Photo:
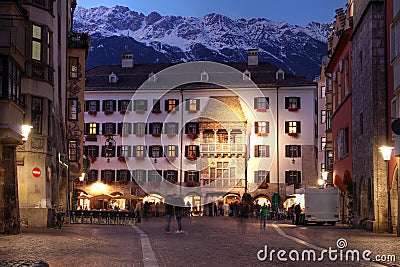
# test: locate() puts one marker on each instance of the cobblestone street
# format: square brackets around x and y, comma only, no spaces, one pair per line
[206,241]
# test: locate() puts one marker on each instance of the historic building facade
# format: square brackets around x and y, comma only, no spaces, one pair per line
[215,130]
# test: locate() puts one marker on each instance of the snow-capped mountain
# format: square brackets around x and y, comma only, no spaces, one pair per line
[214,37]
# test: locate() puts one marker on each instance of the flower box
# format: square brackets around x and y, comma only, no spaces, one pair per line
[191,158]
[293,109]
[156,135]
[293,134]
[262,134]
[122,112]
[108,112]
[191,184]
[92,112]
[122,159]
[92,159]
[261,110]
[192,135]
[263,185]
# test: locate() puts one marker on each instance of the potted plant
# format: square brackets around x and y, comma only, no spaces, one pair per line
[261,110]
[191,157]
[293,134]
[108,112]
[122,159]
[293,109]
[92,112]
[192,135]
[191,183]
[92,159]
[122,112]
[262,134]
[263,185]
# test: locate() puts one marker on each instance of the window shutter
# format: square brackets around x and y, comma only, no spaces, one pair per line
[164,131]
[87,127]
[267,127]
[176,153]
[161,151]
[119,105]
[151,127]
[87,105]
[187,104]
[134,151]
[119,150]
[176,104]
[197,128]
[287,177]
[114,128]
[197,151]
[103,128]
[166,105]
[129,125]
[286,126]
[96,151]
[267,180]
[186,176]
[197,104]
[298,126]
[187,128]
[267,101]
[165,174]
[85,150]
[150,151]
[134,174]
[256,176]
[161,127]
[165,151]
[114,105]
[145,128]
[129,151]
[299,151]
[104,105]
[97,128]
[267,151]
[119,127]
[144,150]
[103,151]
[102,175]
[197,176]
[256,153]
[129,108]
[287,151]
[186,151]
[256,127]
[255,103]
[299,177]
[118,175]
[298,102]
[134,126]
[286,102]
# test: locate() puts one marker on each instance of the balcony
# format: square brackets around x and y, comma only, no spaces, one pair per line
[78,40]
[40,71]
[44,4]
[223,147]
[12,119]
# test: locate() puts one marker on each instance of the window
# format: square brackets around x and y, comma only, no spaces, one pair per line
[261,151]
[155,151]
[171,128]
[323,143]
[292,103]
[343,142]
[140,105]
[204,77]
[124,128]
[171,105]
[323,116]
[139,175]
[123,175]
[109,105]
[192,151]
[292,127]
[139,151]
[222,136]
[139,128]
[261,127]
[156,106]
[73,67]
[171,151]
[48,48]
[155,175]
[192,176]
[329,159]
[123,105]
[72,109]
[261,103]
[108,128]
[152,78]
[92,105]
[37,40]
[192,105]
[155,128]
[108,175]
[37,114]
[293,177]
[72,150]
[323,91]
[92,176]
[328,120]
[192,127]
[91,151]
[292,151]
[108,152]
[49,118]
[124,151]
[10,82]
[261,176]
[246,75]
[395,40]
[91,128]
[171,176]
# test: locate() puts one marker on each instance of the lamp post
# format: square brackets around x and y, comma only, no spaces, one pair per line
[109,146]
[386,154]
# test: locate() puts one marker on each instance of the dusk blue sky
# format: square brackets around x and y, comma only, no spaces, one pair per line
[292,11]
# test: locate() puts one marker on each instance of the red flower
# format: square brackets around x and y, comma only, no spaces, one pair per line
[191,183]
[92,112]
[92,159]
[122,112]
[293,134]
[121,158]
[192,135]
[108,112]
[293,109]
[191,158]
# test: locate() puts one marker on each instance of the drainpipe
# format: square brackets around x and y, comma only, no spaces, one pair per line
[277,141]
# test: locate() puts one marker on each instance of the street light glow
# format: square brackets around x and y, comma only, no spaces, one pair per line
[386,152]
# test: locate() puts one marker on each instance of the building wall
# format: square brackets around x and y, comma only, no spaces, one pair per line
[369,88]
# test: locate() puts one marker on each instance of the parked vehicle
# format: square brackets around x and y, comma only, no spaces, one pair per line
[319,205]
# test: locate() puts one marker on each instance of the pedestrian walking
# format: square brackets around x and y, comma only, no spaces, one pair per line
[215,209]
[297,211]
[138,211]
[169,212]
[263,217]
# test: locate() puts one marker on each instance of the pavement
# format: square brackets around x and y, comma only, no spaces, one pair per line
[205,241]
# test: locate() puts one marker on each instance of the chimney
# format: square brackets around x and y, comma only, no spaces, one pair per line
[252,57]
[127,60]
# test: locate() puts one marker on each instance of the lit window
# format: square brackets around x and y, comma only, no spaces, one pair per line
[73,67]
[261,103]
[72,109]
[93,128]
[37,42]
[72,150]
[261,176]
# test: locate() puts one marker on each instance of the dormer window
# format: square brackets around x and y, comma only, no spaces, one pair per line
[246,75]
[204,76]
[280,75]
[152,78]
[112,78]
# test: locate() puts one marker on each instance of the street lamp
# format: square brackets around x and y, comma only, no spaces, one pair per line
[386,154]
[109,146]
[25,130]
[321,183]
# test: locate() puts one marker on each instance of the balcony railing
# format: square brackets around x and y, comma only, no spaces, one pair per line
[45,4]
[78,40]
[223,147]
[39,71]
[14,99]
